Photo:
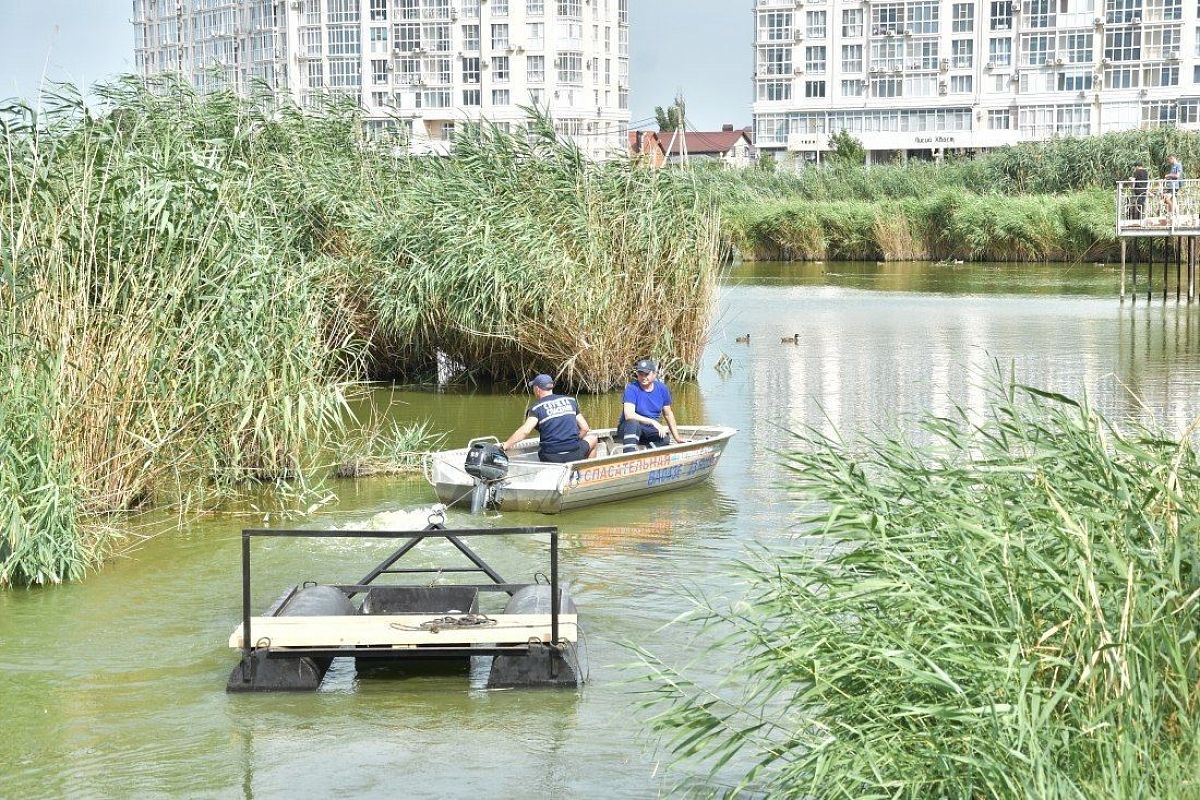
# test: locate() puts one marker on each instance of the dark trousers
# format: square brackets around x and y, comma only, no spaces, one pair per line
[632,434]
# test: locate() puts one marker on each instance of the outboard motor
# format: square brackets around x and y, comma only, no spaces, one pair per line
[488,465]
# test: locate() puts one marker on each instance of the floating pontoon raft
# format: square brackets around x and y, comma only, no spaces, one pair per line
[291,646]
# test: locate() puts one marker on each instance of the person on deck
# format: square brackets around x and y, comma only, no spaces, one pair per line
[645,400]
[565,435]
[1141,182]
[1174,179]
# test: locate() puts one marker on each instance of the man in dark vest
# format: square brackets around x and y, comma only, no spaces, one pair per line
[565,435]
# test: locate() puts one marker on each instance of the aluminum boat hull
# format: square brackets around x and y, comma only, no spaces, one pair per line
[550,488]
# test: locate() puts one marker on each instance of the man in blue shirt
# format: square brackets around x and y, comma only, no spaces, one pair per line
[1174,179]
[564,433]
[645,400]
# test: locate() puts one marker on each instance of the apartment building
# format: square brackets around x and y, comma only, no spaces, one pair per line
[422,66]
[916,78]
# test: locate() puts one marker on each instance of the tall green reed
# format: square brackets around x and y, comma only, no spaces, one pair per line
[1000,607]
[191,285]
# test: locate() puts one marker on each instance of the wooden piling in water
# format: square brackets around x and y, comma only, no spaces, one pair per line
[1122,272]
[1191,260]
[1178,266]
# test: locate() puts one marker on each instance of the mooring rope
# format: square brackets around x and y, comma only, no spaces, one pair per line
[451,622]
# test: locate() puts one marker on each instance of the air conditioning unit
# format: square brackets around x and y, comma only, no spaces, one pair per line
[989,66]
[1098,22]
[798,71]
[297,5]
[1136,21]
[945,64]
[1143,92]
[1058,62]
[799,36]
[484,63]
[1172,55]
[908,31]
[942,88]
[1014,79]
[876,71]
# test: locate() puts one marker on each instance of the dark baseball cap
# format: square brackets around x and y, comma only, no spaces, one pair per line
[645,365]
[542,381]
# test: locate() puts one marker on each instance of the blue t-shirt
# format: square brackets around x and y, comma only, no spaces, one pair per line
[648,404]
[1175,173]
[556,426]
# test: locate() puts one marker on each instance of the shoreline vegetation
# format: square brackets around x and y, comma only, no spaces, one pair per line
[1008,608]
[1045,201]
[191,288]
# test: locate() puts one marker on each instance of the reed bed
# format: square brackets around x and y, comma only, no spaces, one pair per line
[190,286]
[1007,609]
[1045,201]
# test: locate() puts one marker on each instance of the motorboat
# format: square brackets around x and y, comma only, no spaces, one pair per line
[487,477]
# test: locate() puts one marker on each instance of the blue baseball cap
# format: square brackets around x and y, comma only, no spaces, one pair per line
[542,381]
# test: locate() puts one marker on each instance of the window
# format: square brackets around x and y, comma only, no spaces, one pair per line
[344,40]
[470,9]
[408,37]
[535,69]
[472,97]
[1122,78]
[501,97]
[379,71]
[1163,10]
[470,70]
[852,88]
[852,58]
[1121,11]
[920,85]
[1075,80]
[1000,52]
[1001,16]
[535,8]
[814,88]
[886,18]
[535,35]
[1038,13]
[1076,48]
[923,18]
[500,37]
[408,71]
[570,68]
[471,38]
[852,22]
[345,73]
[379,40]
[886,87]
[815,24]
[1161,42]
[499,8]
[814,59]
[342,11]
[1123,45]
[1160,76]
[999,119]
[774,90]
[962,53]
[1037,48]
[775,61]
[570,8]
[379,10]
[962,18]
[1196,74]
[927,55]
[501,69]
[775,26]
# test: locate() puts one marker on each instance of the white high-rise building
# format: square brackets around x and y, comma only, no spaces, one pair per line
[919,77]
[425,65]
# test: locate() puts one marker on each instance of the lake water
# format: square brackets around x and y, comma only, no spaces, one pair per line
[115,687]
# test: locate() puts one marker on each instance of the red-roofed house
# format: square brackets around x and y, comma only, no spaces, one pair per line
[731,147]
[646,146]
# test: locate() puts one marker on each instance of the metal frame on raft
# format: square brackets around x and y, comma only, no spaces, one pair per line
[535,661]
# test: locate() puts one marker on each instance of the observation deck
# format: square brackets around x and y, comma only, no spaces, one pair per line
[1166,214]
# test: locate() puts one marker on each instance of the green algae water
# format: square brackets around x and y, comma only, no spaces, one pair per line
[115,687]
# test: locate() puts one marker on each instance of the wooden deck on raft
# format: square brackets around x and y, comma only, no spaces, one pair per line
[401,631]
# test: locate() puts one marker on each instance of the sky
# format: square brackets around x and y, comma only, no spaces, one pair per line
[699,47]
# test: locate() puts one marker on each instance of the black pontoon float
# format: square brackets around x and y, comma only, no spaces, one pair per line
[291,646]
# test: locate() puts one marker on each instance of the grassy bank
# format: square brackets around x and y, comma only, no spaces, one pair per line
[1048,201]
[1009,611]
[189,287]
